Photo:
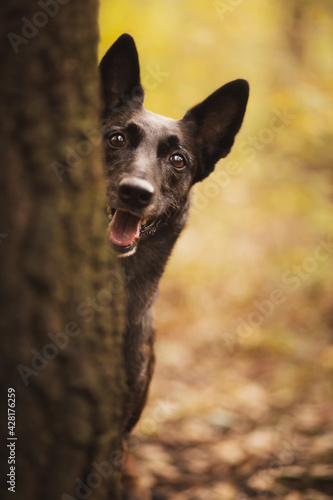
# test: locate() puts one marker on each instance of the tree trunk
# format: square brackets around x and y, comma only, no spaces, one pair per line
[61,292]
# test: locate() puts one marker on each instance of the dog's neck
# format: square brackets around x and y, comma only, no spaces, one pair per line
[143,270]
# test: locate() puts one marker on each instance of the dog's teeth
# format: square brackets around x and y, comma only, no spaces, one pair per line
[143,222]
[110,216]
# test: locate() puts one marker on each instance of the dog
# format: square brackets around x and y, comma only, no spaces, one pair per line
[151,163]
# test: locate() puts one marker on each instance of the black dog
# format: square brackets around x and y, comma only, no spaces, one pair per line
[151,163]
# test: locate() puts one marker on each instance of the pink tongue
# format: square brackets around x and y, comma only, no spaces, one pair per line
[124,228]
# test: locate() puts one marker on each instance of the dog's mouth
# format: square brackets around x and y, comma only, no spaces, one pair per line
[125,230]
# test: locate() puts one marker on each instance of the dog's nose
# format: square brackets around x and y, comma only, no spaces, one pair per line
[136,192]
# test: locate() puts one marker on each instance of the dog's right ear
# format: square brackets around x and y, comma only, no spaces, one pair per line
[120,74]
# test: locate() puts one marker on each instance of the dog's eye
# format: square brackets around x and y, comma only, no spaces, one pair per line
[178,161]
[117,140]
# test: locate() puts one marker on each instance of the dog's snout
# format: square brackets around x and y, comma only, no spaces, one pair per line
[136,192]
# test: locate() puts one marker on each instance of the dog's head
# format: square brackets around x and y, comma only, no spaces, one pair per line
[152,161]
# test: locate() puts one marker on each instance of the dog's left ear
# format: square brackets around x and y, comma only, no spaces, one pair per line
[120,74]
[215,123]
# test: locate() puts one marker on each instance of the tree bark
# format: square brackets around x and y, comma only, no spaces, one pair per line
[61,293]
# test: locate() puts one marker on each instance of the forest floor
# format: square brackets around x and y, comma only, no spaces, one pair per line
[217,428]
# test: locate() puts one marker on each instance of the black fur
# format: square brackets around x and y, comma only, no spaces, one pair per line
[147,145]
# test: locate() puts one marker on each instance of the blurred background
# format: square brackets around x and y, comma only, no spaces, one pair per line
[241,402]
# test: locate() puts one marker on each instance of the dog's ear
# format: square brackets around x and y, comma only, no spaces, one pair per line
[120,74]
[215,123]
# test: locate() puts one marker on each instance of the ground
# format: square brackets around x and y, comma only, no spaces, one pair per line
[218,427]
